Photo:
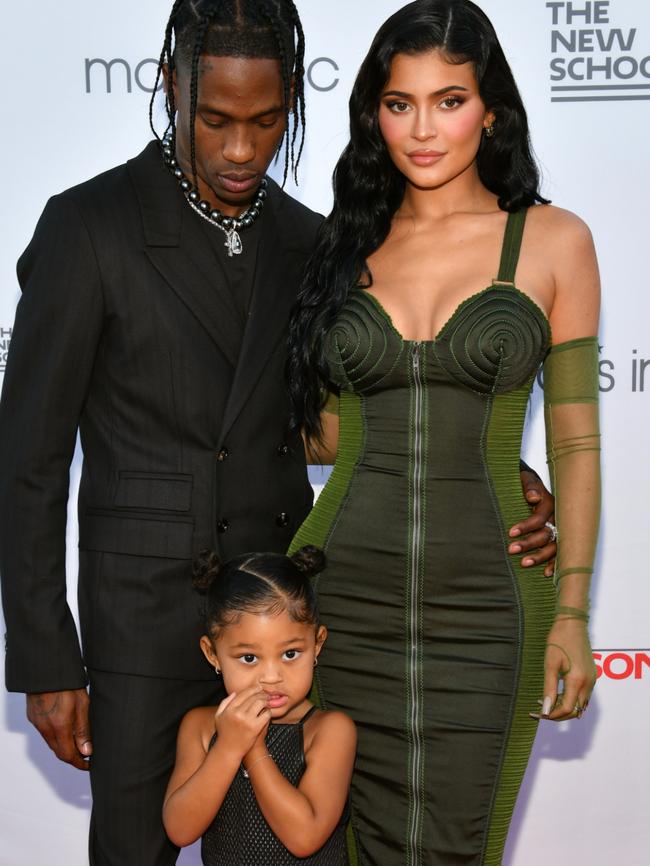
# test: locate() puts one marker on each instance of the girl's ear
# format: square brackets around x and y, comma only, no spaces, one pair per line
[321,637]
[208,651]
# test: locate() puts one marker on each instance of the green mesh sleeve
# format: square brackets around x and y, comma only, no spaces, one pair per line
[573,453]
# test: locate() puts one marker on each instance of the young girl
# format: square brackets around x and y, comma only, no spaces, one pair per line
[263,777]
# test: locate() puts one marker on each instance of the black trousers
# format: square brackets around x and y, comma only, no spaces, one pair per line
[134,721]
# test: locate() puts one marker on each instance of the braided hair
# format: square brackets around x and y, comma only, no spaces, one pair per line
[268,29]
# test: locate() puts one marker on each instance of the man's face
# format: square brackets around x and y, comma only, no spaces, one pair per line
[240,122]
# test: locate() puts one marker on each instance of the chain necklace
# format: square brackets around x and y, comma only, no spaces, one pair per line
[230,226]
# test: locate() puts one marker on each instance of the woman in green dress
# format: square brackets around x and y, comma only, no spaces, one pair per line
[441,281]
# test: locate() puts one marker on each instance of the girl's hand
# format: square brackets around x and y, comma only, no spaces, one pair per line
[569,658]
[241,718]
[257,750]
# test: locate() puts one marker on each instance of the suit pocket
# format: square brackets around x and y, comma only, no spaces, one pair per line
[154,491]
[136,534]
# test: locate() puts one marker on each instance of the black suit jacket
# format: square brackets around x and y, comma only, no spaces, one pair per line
[123,332]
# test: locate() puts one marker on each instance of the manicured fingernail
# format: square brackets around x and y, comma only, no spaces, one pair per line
[528,561]
[535,716]
[514,532]
[515,548]
[546,706]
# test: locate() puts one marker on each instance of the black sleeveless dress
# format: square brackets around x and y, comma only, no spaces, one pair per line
[436,634]
[240,836]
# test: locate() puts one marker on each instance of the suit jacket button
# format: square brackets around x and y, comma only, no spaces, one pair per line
[283,449]
[224,454]
[282,519]
[223,525]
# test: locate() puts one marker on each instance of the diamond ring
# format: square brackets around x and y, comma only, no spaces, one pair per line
[552,528]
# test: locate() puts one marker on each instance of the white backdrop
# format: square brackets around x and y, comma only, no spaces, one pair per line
[584,71]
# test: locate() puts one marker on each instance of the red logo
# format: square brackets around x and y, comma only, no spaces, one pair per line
[622,664]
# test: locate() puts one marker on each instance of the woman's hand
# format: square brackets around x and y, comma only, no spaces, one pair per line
[568,658]
[241,719]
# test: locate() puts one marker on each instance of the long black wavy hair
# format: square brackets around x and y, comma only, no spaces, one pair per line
[368,188]
[236,28]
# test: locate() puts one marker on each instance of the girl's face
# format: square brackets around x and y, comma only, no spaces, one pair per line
[431,117]
[272,652]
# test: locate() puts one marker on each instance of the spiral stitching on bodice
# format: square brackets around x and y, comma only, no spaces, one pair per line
[361,350]
[494,341]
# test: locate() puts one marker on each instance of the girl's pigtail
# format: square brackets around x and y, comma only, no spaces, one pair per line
[309,560]
[206,568]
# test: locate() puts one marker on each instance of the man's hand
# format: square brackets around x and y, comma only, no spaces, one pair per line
[62,720]
[532,534]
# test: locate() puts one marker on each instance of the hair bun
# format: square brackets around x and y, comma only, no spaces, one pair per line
[206,568]
[309,560]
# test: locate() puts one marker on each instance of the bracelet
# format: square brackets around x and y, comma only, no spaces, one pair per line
[557,577]
[571,613]
[246,772]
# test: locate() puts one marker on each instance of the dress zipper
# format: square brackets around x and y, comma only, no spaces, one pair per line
[415,637]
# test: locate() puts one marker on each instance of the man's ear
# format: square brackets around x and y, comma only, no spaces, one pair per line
[166,81]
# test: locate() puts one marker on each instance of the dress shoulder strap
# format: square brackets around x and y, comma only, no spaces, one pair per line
[310,712]
[511,246]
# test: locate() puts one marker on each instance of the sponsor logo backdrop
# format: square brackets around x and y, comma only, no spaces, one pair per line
[78,76]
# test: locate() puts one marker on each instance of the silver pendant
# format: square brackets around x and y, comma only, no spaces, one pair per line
[233,243]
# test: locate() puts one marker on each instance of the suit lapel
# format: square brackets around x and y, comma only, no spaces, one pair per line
[181,253]
[192,272]
[280,262]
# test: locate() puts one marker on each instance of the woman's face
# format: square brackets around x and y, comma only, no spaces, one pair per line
[431,117]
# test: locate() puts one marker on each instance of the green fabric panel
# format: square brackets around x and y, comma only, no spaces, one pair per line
[318,524]
[353,857]
[317,527]
[537,606]
[332,403]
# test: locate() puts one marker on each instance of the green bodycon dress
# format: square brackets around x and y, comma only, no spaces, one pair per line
[436,634]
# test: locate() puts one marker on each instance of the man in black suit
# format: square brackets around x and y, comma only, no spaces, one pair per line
[155,324]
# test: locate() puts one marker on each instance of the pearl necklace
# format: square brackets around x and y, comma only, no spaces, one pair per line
[230,226]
